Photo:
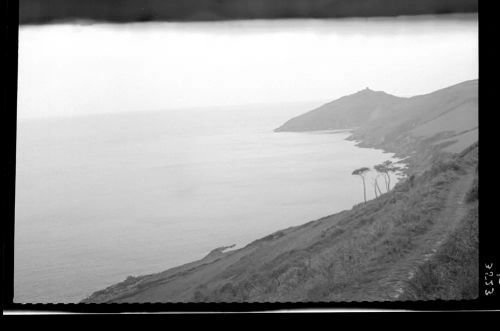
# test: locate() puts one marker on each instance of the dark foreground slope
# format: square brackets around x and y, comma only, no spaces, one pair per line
[376,251]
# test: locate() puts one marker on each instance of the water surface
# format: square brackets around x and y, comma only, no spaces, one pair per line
[102,197]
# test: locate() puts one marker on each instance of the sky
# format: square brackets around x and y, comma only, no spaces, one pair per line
[70,69]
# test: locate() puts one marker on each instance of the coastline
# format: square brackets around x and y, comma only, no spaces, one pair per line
[289,265]
[133,284]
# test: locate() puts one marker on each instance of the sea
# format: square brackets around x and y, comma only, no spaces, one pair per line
[104,196]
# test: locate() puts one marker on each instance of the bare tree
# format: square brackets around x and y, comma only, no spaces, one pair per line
[361,172]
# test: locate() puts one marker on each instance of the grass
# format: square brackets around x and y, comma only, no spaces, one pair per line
[453,272]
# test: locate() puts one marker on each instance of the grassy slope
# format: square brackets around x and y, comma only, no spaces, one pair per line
[452,273]
[422,126]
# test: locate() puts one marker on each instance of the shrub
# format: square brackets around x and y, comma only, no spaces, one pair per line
[472,195]
[443,166]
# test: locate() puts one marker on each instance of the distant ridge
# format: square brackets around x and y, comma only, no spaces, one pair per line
[344,113]
[448,115]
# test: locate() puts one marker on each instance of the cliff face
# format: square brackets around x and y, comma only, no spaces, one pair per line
[376,250]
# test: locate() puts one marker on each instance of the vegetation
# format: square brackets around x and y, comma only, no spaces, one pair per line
[361,172]
[386,168]
[376,189]
[452,274]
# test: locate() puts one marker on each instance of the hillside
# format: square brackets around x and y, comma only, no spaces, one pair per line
[438,116]
[417,241]
[348,112]
[421,126]
[381,116]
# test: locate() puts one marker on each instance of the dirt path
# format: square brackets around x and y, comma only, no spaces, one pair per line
[393,286]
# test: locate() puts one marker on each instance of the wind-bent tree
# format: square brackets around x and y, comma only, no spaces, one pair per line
[380,168]
[386,168]
[361,172]
[389,167]
[375,180]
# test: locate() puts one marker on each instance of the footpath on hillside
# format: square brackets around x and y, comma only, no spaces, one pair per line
[392,286]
